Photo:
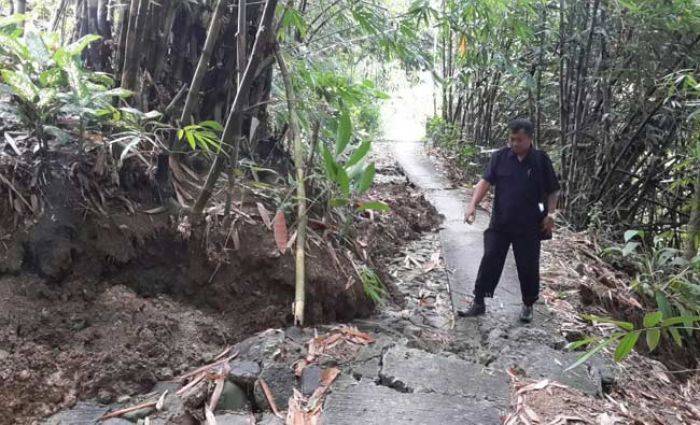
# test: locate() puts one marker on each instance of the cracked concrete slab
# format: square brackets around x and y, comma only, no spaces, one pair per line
[366,403]
[417,371]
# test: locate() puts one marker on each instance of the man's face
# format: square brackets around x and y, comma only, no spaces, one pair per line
[520,142]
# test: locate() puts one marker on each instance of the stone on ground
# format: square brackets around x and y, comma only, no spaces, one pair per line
[83,413]
[280,379]
[244,372]
[233,398]
[235,419]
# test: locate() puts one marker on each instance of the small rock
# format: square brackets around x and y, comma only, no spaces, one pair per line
[234,419]
[105,396]
[4,355]
[280,380]
[270,419]
[486,357]
[147,334]
[310,379]
[171,387]
[327,362]
[412,331]
[244,372]
[24,375]
[164,373]
[233,399]
[174,411]
[123,399]
[83,413]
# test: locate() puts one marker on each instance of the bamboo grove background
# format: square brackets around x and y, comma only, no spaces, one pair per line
[610,85]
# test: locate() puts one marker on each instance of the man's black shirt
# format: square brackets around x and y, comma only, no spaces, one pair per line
[520,187]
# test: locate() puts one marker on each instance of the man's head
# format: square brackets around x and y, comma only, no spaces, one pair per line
[521,131]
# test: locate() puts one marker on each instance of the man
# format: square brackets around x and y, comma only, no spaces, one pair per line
[523,213]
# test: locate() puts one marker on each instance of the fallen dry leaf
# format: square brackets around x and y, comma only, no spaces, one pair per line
[264,214]
[280,231]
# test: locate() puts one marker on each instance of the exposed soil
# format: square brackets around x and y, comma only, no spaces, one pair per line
[96,305]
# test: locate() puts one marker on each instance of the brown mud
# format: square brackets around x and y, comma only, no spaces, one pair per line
[101,299]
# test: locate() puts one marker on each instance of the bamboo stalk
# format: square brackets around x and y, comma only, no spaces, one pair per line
[212,34]
[295,140]
[232,128]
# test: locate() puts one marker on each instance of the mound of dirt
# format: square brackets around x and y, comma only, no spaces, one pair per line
[101,299]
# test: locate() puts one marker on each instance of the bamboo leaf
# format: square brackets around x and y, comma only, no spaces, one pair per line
[190,140]
[344,132]
[367,178]
[653,336]
[630,234]
[592,352]
[79,45]
[329,162]
[359,153]
[626,345]
[214,125]
[652,319]
[344,181]
[374,206]
[676,336]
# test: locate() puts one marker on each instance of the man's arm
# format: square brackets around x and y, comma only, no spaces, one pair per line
[480,191]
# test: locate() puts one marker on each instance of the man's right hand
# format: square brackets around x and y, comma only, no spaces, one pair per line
[470,214]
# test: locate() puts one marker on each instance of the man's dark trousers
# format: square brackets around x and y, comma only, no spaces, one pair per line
[526,248]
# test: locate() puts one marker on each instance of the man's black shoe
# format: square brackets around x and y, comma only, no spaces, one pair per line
[476,309]
[526,314]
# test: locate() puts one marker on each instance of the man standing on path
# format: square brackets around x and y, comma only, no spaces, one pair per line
[523,213]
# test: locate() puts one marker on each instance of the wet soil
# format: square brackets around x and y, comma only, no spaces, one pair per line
[105,305]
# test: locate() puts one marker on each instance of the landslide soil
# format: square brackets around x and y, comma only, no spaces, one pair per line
[95,306]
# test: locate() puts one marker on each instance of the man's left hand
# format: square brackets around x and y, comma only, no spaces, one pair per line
[548,224]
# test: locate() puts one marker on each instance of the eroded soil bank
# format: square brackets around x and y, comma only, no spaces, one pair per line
[104,302]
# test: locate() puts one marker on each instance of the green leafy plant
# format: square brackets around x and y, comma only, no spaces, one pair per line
[137,131]
[663,276]
[47,81]
[372,284]
[353,176]
[204,135]
[665,279]
[654,325]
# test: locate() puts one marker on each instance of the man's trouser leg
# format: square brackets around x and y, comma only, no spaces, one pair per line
[495,250]
[526,249]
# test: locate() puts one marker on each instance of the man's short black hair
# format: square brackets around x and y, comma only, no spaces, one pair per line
[523,124]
